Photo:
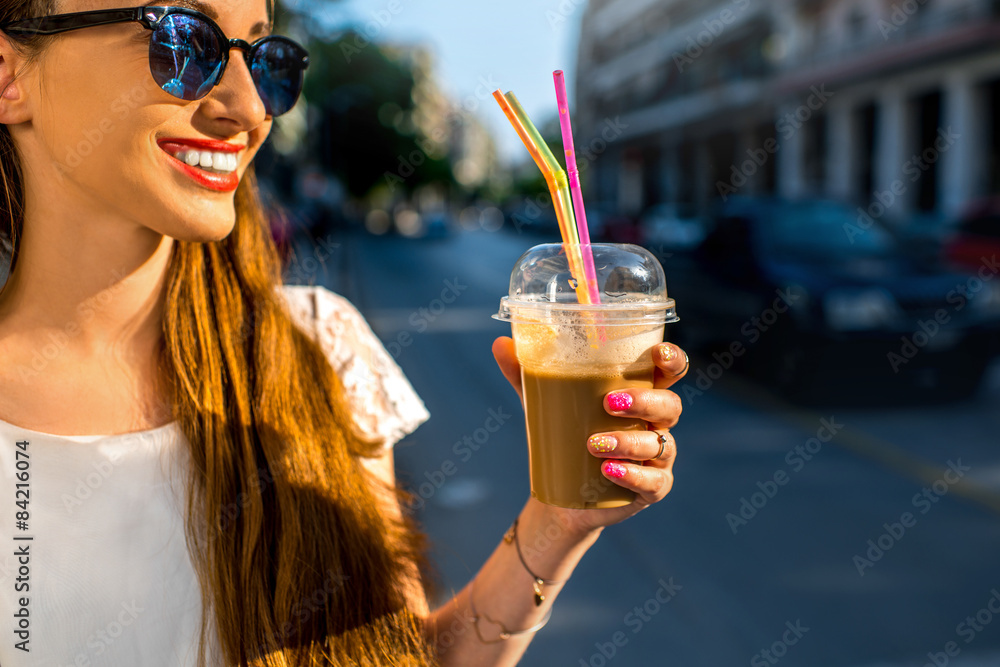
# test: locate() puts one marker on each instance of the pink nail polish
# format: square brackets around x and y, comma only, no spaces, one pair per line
[614,469]
[620,401]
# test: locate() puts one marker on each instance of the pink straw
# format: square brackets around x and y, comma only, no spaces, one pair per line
[574,186]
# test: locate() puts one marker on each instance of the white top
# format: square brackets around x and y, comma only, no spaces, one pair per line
[110,580]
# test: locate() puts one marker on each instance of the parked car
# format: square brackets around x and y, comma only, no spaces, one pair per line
[976,236]
[814,298]
[608,224]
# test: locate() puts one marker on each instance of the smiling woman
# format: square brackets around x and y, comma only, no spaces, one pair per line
[148,259]
[196,461]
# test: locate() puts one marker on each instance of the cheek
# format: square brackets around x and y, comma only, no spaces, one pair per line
[87,110]
[258,136]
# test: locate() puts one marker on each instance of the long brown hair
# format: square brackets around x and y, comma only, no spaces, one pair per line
[297,564]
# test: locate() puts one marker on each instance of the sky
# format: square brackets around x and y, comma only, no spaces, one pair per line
[481,45]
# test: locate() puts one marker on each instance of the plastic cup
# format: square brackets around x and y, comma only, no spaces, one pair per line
[573,354]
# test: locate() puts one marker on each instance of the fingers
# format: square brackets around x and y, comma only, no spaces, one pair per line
[671,365]
[661,407]
[651,483]
[634,446]
[503,352]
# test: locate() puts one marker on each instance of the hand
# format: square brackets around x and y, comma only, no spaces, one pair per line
[630,464]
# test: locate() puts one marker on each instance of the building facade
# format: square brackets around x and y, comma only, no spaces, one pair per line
[891,105]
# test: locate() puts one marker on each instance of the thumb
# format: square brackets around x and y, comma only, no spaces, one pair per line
[503,352]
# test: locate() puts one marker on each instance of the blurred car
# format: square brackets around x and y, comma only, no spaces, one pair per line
[672,227]
[976,236]
[607,223]
[438,225]
[807,296]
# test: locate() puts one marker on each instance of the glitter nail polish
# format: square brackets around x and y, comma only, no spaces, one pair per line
[620,401]
[614,469]
[667,352]
[603,443]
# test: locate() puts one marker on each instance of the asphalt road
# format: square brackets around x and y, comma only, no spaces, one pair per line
[828,538]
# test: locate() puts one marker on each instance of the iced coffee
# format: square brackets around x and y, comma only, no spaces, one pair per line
[573,354]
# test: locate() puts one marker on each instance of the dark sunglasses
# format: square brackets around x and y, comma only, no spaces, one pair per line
[189,53]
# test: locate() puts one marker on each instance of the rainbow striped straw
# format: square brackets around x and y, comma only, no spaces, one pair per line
[558,185]
[574,186]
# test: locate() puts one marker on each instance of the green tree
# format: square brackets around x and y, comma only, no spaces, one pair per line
[362,94]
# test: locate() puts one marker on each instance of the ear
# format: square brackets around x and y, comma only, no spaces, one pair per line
[14,108]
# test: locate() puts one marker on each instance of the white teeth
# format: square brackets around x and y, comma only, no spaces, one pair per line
[220,162]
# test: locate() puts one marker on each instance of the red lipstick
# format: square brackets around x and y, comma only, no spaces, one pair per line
[213,181]
[201,144]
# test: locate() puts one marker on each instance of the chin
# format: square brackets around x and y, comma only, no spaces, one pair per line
[200,232]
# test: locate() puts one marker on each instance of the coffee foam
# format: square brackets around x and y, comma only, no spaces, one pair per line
[572,350]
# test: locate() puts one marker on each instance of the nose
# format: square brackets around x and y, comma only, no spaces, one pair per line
[236,97]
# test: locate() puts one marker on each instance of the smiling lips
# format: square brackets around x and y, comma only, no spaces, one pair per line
[212,164]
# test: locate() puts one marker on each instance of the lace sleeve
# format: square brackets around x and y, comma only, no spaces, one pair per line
[383,402]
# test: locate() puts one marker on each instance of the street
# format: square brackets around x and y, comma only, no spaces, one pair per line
[847,537]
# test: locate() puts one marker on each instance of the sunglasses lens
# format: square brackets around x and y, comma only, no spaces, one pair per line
[185,56]
[278,70]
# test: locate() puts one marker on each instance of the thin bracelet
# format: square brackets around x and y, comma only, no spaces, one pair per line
[505,634]
[511,536]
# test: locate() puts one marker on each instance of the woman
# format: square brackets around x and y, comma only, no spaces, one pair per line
[239,506]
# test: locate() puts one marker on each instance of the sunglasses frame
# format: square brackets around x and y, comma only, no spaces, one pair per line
[150,17]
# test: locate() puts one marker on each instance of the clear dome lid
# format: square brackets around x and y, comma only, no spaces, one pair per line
[629,280]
